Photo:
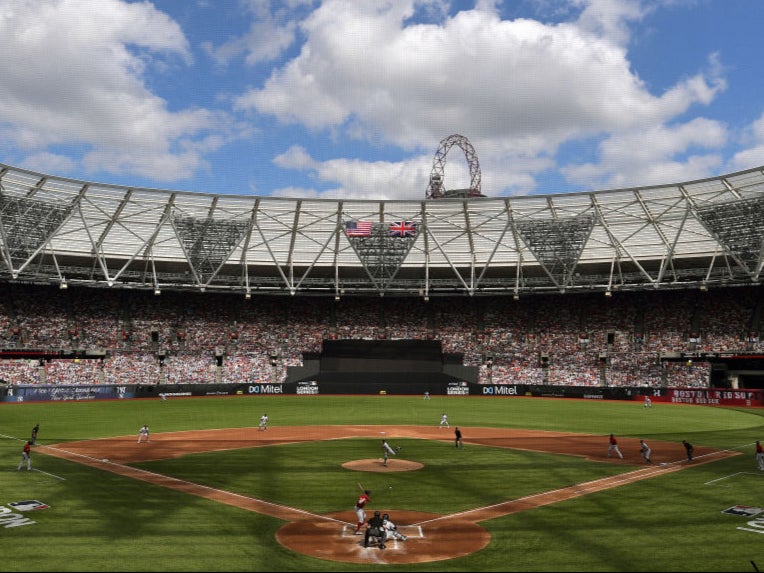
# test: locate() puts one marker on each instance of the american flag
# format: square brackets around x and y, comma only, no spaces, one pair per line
[403,229]
[358,228]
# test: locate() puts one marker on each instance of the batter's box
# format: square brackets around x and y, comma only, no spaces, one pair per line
[410,531]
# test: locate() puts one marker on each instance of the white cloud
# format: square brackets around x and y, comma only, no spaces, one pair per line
[355,179]
[648,156]
[398,75]
[518,89]
[753,137]
[78,78]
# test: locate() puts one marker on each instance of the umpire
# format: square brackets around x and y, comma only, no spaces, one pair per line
[375,529]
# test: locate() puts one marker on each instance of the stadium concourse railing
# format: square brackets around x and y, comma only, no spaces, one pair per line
[752,398]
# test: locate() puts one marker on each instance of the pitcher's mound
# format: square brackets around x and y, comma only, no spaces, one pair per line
[377,465]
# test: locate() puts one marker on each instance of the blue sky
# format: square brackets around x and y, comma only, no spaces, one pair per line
[351,98]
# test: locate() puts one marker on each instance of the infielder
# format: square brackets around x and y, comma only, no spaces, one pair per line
[26,456]
[144,433]
[646,451]
[613,447]
[444,421]
[263,423]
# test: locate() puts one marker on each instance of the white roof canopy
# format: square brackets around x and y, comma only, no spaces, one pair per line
[694,233]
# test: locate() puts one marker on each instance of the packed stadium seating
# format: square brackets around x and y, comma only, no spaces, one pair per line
[573,339]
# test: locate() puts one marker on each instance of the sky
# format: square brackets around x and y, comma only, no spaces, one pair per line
[355,99]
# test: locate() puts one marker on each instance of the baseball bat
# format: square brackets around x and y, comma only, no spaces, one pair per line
[360,487]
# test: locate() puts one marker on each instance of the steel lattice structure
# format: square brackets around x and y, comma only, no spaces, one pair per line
[693,234]
[436,186]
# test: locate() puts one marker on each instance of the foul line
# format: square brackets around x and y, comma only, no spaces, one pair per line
[561,494]
[49,474]
[200,490]
[713,481]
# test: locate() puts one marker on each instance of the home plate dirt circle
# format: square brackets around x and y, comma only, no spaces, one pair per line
[431,537]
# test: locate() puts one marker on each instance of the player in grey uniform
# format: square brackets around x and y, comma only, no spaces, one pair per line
[391,530]
[387,451]
[646,451]
[144,433]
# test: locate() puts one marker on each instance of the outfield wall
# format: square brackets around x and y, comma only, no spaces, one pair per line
[394,386]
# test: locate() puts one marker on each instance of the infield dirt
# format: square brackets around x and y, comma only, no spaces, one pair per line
[431,537]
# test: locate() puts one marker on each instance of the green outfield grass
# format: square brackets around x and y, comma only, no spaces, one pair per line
[98,521]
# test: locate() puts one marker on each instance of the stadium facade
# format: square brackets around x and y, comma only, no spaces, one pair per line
[694,234]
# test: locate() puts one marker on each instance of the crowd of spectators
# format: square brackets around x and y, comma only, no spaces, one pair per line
[573,339]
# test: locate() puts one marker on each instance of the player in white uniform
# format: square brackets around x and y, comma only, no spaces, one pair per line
[263,423]
[444,421]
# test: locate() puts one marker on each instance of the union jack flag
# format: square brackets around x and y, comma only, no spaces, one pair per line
[358,228]
[403,229]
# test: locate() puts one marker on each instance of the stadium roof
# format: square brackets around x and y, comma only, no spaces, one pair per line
[692,234]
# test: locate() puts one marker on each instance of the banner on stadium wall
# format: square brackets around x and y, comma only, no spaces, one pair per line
[307,388]
[41,393]
[698,396]
[458,389]
[581,392]
[716,397]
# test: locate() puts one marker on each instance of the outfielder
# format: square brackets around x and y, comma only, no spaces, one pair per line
[360,512]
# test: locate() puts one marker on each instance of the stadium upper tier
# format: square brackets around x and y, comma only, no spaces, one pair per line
[692,234]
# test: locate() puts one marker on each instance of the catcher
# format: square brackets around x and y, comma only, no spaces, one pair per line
[391,530]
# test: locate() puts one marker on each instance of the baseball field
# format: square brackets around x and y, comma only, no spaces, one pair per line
[532,489]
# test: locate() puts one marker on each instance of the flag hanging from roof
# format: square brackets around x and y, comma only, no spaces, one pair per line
[403,229]
[358,228]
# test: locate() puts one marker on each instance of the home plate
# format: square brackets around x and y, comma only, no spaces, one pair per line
[383,432]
